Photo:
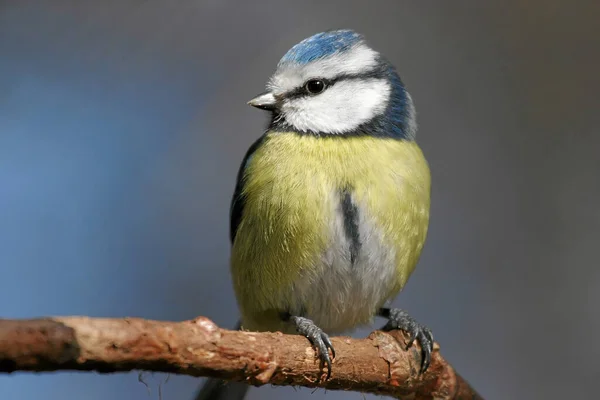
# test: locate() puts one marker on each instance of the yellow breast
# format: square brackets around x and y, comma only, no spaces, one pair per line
[291,191]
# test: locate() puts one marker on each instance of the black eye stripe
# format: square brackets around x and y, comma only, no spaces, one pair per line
[301,91]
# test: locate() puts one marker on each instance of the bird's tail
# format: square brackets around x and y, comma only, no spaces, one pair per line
[218,389]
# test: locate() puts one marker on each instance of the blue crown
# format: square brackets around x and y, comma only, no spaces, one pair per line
[320,46]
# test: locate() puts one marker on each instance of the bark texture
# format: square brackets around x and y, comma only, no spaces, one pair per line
[377,364]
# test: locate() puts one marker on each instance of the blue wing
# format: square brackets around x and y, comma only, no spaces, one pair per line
[236,209]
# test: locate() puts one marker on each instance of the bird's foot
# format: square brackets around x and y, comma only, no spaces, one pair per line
[399,319]
[318,338]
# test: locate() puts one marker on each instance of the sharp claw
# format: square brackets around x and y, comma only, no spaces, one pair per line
[324,346]
[319,339]
[429,336]
[328,344]
[401,320]
[426,348]
[328,363]
[413,337]
[426,361]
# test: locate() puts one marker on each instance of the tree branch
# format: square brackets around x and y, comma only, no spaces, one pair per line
[378,364]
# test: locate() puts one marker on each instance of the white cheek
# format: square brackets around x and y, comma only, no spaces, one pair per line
[341,108]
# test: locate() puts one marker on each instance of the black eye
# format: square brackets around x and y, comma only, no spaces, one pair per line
[315,86]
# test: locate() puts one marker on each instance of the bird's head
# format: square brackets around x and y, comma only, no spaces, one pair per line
[333,83]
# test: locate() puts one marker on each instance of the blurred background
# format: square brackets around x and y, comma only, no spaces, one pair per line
[122,125]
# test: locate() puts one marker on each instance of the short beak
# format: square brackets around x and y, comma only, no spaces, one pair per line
[264,101]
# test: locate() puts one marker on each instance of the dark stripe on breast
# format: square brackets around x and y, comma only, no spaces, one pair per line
[350,214]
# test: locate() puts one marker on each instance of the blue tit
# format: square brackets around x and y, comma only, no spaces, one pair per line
[331,206]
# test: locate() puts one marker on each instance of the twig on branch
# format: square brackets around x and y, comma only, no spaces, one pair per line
[378,364]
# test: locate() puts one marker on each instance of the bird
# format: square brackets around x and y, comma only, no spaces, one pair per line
[331,205]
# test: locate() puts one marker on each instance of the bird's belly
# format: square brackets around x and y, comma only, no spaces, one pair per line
[352,278]
[347,272]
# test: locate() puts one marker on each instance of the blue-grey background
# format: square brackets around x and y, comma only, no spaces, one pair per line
[122,124]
